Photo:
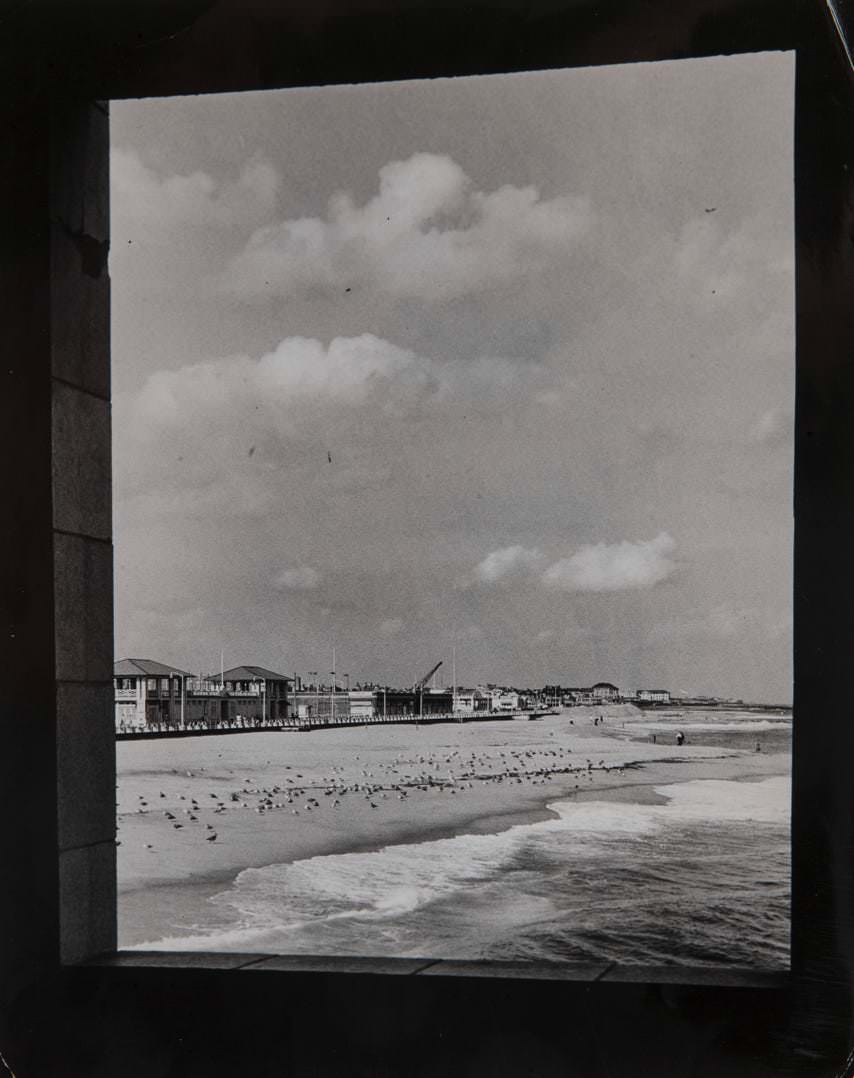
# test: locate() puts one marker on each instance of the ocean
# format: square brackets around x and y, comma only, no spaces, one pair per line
[695,874]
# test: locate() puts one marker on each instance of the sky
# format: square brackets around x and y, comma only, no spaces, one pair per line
[502,365]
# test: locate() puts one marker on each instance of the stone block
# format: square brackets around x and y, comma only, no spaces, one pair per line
[86,764]
[87,901]
[697,976]
[80,180]
[81,462]
[338,964]
[177,960]
[83,603]
[521,971]
[80,311]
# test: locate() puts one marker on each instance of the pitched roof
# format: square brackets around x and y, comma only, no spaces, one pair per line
[248,673]
[145,667]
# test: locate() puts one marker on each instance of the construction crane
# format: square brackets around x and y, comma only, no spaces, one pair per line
[423,681]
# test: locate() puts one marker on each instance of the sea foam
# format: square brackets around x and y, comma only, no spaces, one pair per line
[274,908]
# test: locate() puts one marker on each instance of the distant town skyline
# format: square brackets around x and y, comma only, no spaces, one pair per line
[504,364]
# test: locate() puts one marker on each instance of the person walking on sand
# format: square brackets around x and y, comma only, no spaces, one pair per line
[680,738]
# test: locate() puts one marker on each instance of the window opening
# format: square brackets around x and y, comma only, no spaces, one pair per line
[522,405]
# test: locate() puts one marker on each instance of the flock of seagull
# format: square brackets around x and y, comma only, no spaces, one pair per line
[426,772]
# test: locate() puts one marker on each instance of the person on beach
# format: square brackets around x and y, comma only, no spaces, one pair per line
[680,738]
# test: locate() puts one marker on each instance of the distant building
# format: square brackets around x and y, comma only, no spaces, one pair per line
[363,703]
[553,696]
[653,696]
[464,701]
[505,701]
[604,691]
[574,695]
[319,702]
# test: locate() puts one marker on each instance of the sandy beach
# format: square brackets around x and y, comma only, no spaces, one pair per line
[193,813]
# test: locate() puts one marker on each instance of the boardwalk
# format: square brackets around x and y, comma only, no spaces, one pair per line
[316,723]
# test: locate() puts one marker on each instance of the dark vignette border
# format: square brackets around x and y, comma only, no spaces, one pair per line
[194,1015]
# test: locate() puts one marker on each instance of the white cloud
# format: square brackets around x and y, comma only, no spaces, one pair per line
[151,206]
[309,428]
[500,563]
[622,566]
[298,371]
[302,579]
[426,234]
[288,388]
[391,626]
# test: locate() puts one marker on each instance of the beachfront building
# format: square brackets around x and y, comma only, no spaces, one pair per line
[653,696]
[604,692]
[249,695]
[318,702]
[552,696]
[363,703]
[505,700]
[574,695]
[148,695]
[414,702]
[462,701]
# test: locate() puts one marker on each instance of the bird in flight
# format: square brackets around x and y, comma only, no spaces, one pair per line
[328,456]
[711,209]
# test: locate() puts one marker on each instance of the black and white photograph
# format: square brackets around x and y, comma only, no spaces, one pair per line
[452,499]
[427,569]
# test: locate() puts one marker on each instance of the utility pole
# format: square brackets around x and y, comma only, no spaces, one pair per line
[181,677]
[314,674]
[333,685]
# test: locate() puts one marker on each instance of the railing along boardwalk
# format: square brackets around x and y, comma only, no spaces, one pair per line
[302,725]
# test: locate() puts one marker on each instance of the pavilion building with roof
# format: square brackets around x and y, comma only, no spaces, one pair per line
[150,695]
